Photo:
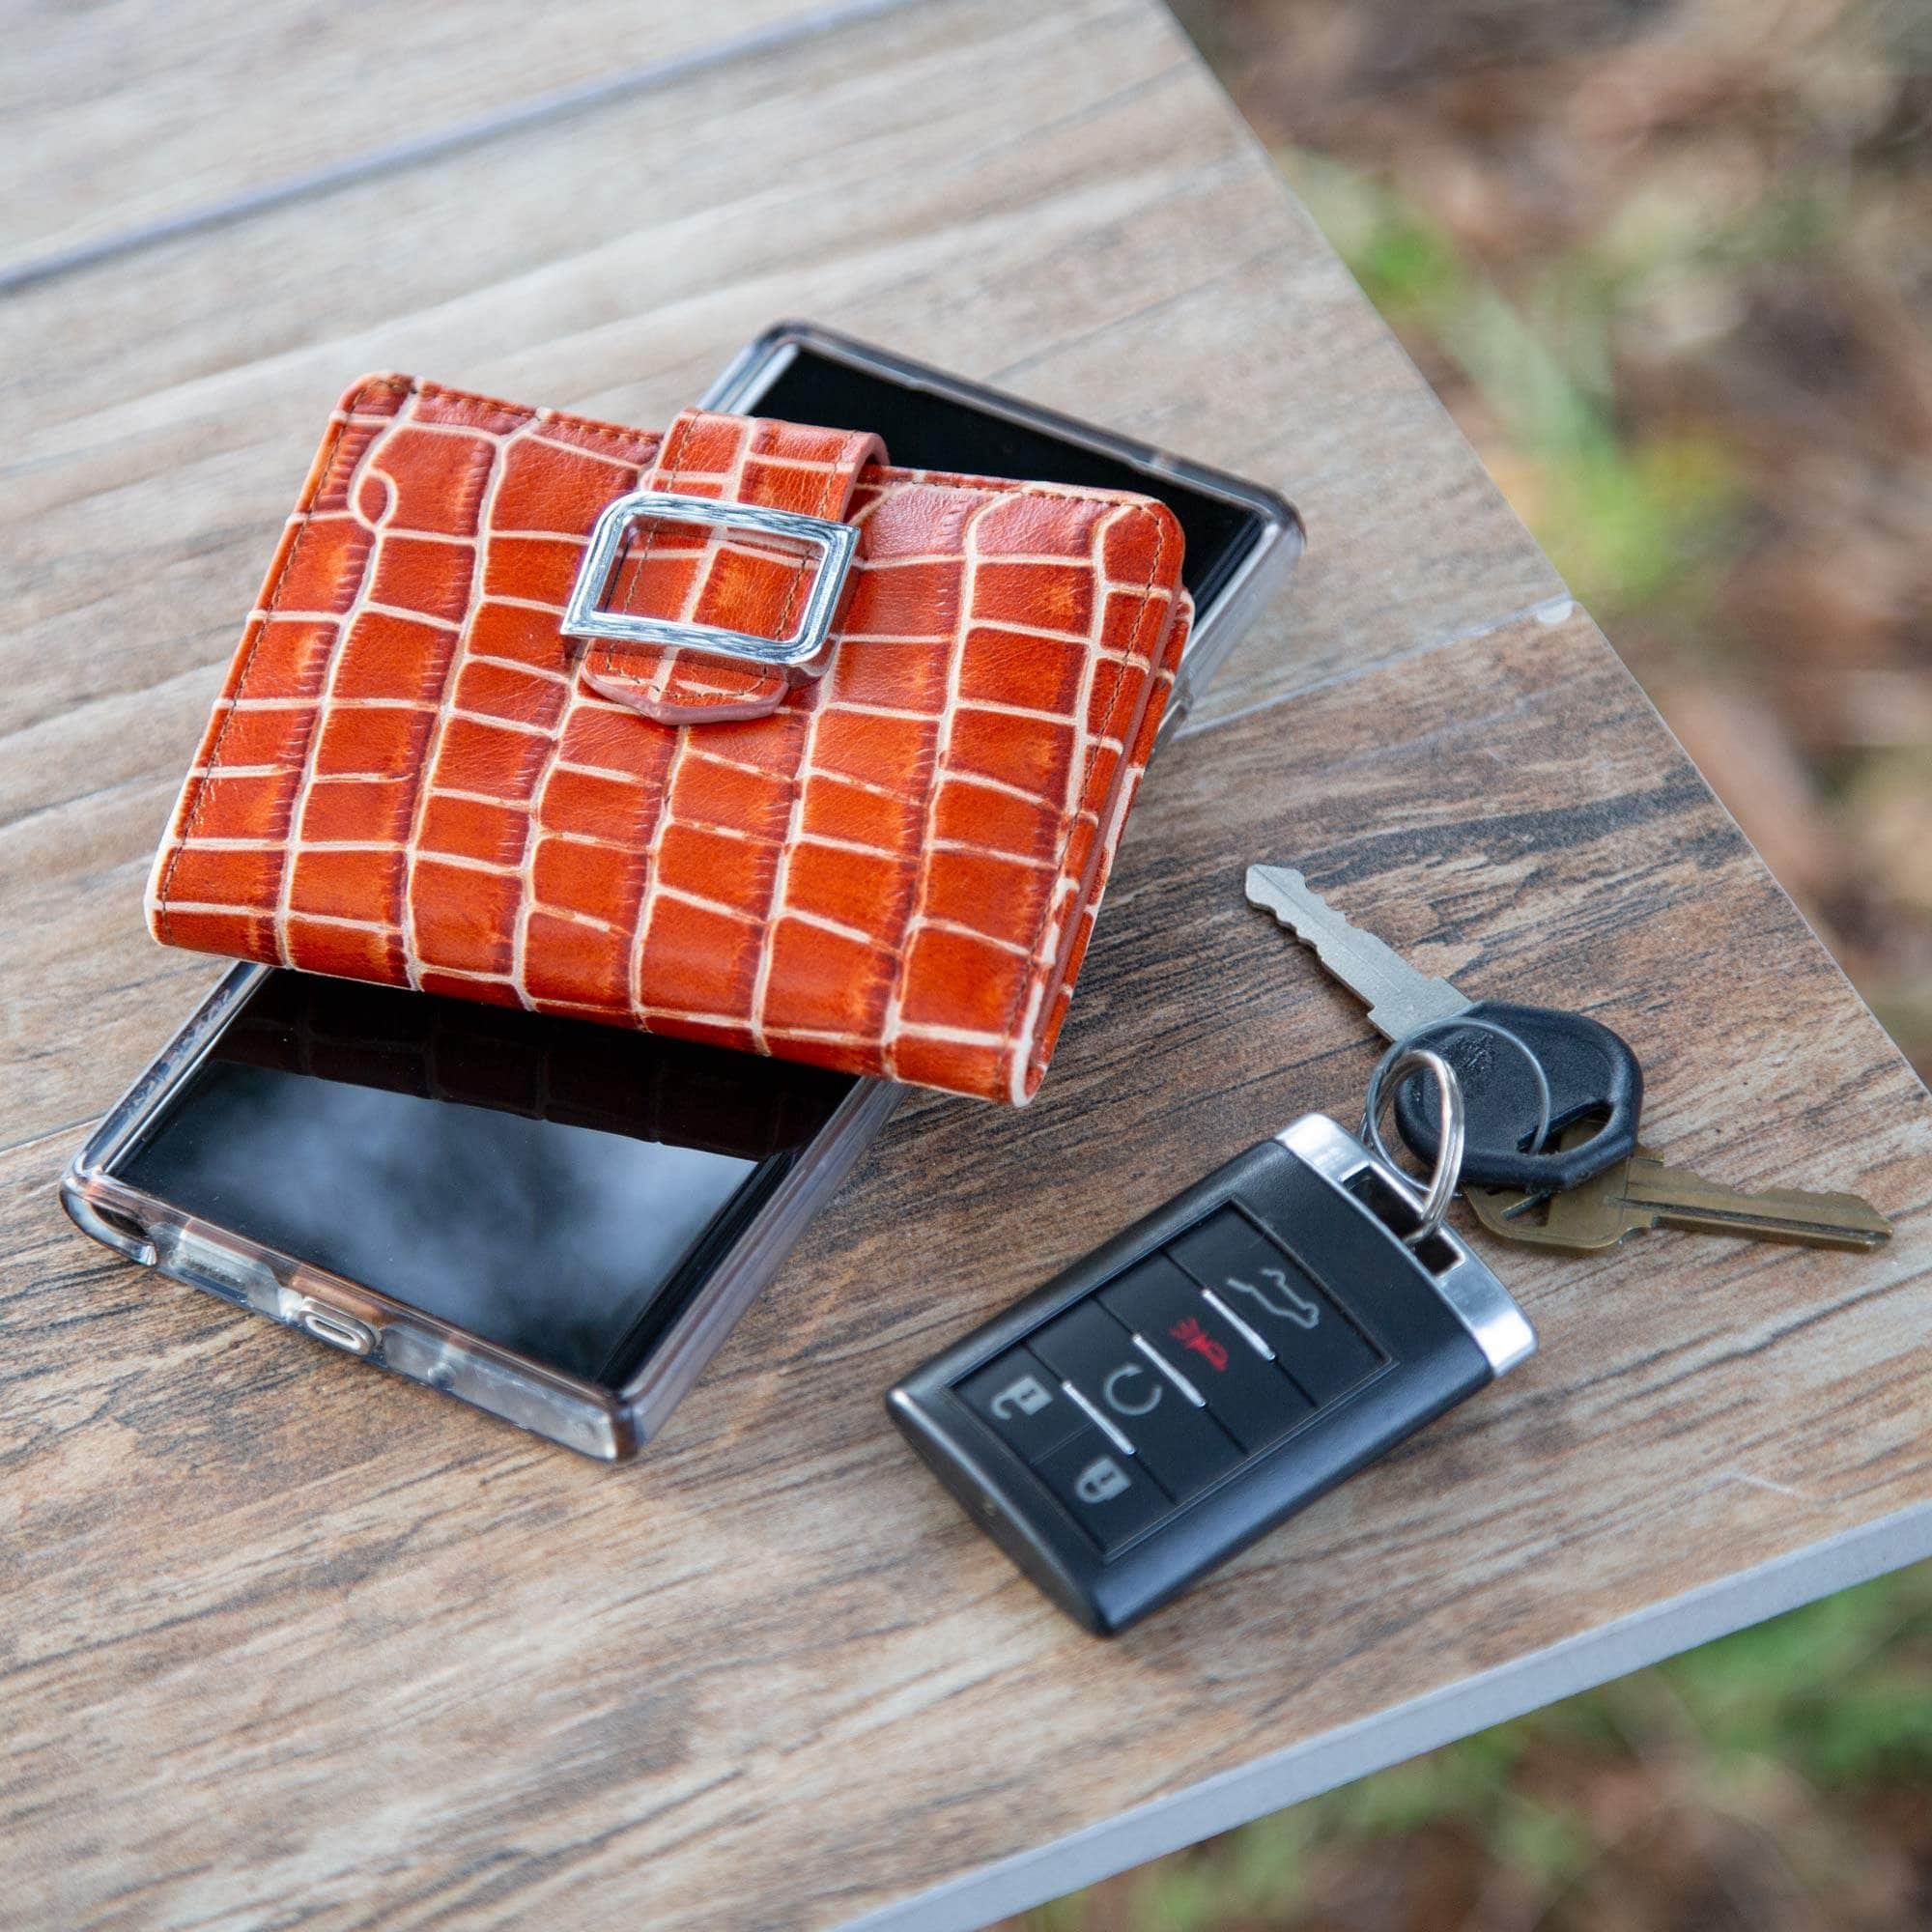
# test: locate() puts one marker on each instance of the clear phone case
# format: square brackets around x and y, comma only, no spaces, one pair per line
[365,1321]
[582,1415]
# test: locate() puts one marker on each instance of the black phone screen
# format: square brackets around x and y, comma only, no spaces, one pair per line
[553,1186]
[556,1188]
[925,430]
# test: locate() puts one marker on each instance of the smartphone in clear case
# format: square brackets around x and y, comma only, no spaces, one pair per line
[554,1221]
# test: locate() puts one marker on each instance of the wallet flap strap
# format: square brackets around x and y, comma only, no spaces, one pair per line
[711,574]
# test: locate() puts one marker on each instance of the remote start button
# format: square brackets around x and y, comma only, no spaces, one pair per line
[1131,1393]
[1250,1398]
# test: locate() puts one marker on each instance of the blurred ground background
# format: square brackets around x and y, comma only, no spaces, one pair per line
[1669,265]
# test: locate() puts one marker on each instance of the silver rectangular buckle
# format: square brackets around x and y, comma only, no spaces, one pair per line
[834,543]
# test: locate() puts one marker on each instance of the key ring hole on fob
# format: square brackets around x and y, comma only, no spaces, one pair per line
[1409,1056]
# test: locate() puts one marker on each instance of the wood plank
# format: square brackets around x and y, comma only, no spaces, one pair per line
[1109,131]
[281,1634]
[133,114]
[146,472]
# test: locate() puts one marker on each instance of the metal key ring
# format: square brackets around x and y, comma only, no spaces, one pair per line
[1402,1060]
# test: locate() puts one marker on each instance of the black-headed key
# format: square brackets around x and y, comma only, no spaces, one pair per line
[1204,1427]
[1592,1073]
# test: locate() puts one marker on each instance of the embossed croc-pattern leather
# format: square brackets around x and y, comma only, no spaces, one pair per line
[412,776]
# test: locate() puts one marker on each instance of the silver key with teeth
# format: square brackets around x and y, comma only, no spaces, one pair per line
[1398,996]
[1591,1074]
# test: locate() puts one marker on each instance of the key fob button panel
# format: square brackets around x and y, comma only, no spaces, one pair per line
[1247,1394]
[1021,1401]
[1177,1443]
[1254,1278]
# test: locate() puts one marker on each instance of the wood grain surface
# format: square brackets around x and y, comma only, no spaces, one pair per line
[282,1640]
[140,115]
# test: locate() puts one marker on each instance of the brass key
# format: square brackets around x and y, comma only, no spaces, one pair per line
[1641,1192]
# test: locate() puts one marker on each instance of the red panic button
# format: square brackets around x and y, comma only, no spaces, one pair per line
[1190,1334]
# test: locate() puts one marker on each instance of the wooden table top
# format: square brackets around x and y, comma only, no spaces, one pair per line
[283,1640]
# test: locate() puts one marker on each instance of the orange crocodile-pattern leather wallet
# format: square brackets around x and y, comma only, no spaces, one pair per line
[887,862]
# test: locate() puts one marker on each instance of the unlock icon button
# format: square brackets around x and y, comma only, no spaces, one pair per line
[1024,1395]
[1020,1399]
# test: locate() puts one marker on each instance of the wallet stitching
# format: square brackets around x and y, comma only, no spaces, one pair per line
[610,432]
[1101,859]
[1069,918]
[1040,967]
[391,385]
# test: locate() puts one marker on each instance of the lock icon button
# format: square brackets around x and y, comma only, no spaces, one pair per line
[1101,1481]
[1103,1488]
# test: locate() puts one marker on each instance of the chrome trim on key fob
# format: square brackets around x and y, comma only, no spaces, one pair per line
[1485,1307]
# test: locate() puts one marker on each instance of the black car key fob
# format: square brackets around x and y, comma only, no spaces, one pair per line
[1162,1403]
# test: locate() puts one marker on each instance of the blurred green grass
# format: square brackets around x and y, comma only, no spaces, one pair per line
[1631,518]
[1783,1758]
[1670,267]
